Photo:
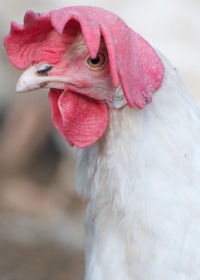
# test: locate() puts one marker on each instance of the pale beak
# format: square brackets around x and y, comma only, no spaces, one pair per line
[37,77]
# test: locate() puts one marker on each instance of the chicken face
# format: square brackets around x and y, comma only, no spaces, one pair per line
[80,91]
[85,55]
[75,71]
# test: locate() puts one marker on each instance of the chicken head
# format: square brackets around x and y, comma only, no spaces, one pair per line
[91,61]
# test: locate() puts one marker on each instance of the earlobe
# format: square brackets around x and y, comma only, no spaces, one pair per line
[119,98]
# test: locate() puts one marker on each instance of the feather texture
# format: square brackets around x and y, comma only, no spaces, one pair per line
[141,168]
[143,183]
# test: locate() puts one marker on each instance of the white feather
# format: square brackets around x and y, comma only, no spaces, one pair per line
[142,179]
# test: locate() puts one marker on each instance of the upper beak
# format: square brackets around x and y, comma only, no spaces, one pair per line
[37,77]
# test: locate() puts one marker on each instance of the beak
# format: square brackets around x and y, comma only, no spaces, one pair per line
[36,77]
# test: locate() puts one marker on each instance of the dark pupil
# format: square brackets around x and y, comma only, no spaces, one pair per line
[95,60]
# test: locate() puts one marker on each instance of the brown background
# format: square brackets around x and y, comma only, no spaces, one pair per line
[41,217]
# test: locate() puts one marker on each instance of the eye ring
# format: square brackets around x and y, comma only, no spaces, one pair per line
[98,61]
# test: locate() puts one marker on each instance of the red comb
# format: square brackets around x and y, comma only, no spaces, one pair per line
[44,37]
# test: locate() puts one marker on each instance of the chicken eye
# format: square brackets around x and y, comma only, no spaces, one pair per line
[98,61]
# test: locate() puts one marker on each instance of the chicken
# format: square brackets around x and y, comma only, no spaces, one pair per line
[120,100]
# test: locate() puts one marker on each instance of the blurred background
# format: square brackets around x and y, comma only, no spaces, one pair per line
[41,216]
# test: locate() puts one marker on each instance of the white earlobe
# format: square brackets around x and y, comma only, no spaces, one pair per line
[119,98]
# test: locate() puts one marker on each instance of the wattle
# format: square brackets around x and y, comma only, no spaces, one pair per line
[80,119]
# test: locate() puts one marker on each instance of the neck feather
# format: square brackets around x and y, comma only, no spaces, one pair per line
[141,147]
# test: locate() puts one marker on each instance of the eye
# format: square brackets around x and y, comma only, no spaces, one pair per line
[98,61]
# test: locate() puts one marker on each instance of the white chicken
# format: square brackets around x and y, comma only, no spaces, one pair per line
[140,166]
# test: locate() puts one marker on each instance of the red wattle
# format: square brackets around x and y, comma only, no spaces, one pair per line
[80,119]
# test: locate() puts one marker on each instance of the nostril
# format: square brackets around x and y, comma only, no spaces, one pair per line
[44,69]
